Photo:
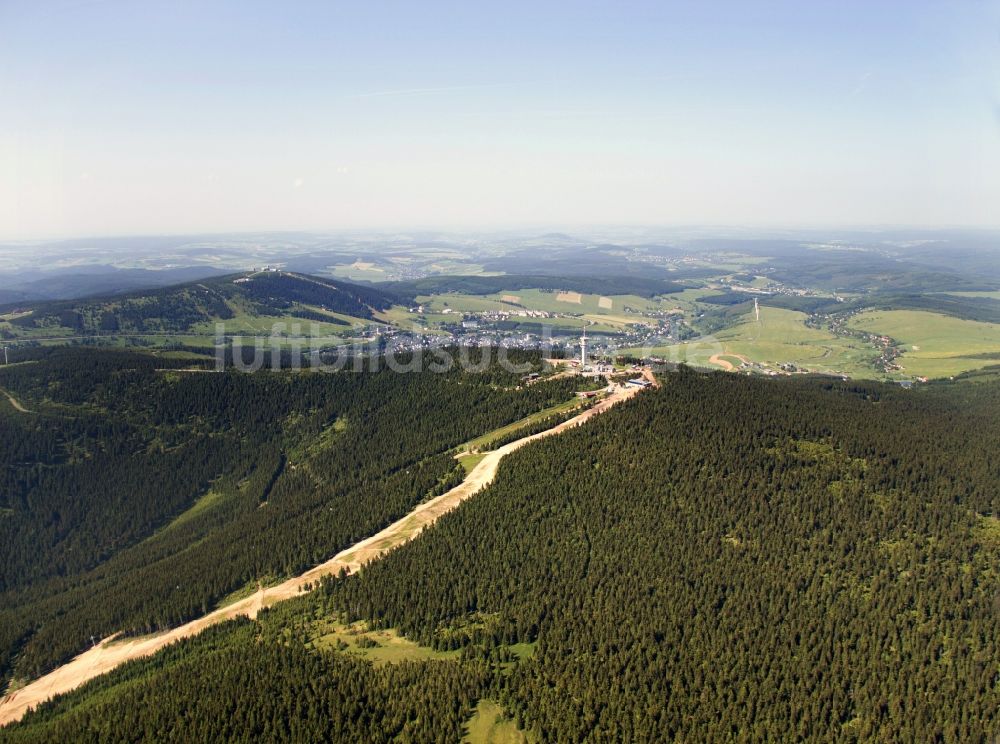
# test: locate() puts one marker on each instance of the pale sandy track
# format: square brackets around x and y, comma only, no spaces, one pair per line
[16,403]
[724,363]
[110,653]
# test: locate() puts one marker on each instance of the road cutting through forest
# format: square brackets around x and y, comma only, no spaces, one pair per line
[16,403]
[111,653]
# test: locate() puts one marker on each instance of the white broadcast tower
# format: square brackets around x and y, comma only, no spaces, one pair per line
[583,349]
[756,309]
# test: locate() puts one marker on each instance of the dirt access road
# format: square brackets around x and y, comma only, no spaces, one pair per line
[108,654]
[16,403]
[724,363]
[728,366]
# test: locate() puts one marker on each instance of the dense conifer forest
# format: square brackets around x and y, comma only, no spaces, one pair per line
[721,559]
[135,497]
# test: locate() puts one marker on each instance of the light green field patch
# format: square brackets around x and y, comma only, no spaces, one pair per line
[935,345]
[523,650]
[733,360]
[470,460]
[615,321]
[202,505]
[243,323]
[459,267]
[781,337]
[987,530]
[490,725]
[397,315]
[349,319]
[691,294]
[464,303]
[489,437]
[544,301]
[250,588]
[382,646]
[358,271]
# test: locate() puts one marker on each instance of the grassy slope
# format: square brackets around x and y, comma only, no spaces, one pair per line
[934,345]
[781,336]
[490,725]
[391,647]
[490,436]
[609,314]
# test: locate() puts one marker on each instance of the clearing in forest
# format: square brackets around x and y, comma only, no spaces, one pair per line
[490,725]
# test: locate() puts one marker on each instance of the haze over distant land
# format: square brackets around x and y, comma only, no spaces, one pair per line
[162,118]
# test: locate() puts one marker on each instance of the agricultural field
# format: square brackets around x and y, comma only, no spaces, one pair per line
[935,345]
[574,310]
[546,301]
[359,271]
[460,304]
[781,337]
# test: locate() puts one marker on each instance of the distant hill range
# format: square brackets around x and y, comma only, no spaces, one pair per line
[91,281]
[178,308]
[484,285]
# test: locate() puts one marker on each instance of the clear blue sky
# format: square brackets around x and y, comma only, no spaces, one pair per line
[169,117]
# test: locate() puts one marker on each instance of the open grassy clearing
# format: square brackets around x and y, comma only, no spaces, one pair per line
[615,321]
[459,304]
[207,501]
[464,303]
[781,337]
[177,354]
[397,315]
[689,295]
[460,267]
[486,439]
[14,332]
[245,323]
[490,725]
[935,345]
[469,460]
[359,270]
[545,301]
[381,646]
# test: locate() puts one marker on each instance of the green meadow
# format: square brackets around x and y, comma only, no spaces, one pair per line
[490,725]
[781,336]
[935,345]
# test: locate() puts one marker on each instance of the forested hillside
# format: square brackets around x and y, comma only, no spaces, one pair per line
[135,498]
[722,559]
[181,308]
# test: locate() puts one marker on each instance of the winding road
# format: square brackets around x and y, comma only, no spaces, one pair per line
[109,653]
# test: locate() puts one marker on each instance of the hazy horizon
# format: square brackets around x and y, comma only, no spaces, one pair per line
[178,118]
